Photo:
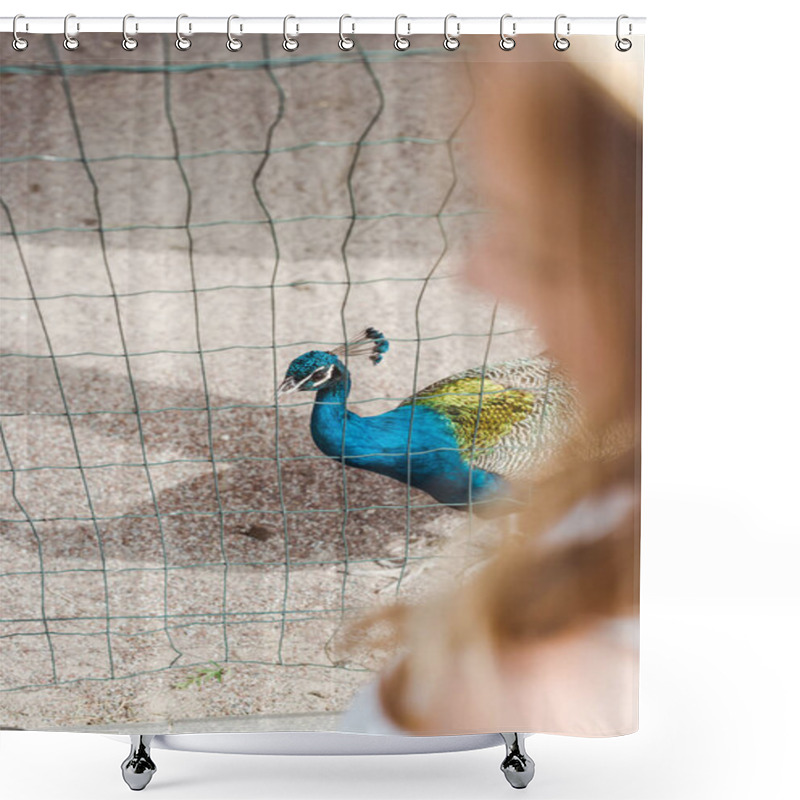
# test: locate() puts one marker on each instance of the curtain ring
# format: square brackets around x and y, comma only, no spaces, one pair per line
[401,42]
[451,42]
[290,43]
[128,42]
[233,44]
[623,45]
[181,42]
[561,43]
[506,42]
[345,43]
[18,43]
[70,42]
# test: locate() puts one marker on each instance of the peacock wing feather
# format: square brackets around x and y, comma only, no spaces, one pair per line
[508,418]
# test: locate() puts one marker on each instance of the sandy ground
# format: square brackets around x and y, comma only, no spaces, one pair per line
[129,556]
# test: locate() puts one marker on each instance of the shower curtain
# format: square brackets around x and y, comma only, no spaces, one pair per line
[232,286]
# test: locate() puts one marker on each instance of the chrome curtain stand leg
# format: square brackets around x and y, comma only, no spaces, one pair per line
[517,766]
[138,768]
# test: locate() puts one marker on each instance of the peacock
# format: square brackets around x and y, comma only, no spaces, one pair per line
[462,439]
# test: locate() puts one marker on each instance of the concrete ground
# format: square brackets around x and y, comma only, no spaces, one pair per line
[147,560]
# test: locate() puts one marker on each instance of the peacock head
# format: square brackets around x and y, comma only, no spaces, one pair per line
[319,369]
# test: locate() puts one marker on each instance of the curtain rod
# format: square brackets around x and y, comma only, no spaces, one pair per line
[349,25]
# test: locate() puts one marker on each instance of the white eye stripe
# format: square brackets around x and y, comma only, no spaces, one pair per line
[324,378]
[300,383]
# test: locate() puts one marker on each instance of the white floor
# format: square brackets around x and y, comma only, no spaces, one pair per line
[719,697]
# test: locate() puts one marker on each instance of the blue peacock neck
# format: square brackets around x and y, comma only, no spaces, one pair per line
[379,443]
[335,394]
[431,460]
[330,415]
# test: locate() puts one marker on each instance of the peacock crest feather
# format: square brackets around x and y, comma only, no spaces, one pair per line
[370,342]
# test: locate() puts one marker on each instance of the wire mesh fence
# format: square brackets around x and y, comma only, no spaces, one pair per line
[174,230]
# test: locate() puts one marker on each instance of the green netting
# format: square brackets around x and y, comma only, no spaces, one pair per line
[203,423]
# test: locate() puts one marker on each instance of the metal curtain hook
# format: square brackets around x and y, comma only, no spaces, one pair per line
[181,42]
[70,42]
[233,44]
[290,43]
[451,42]
[506,42]
[345,43]
[401,42]
[128,41]
[18,43]
[560,43]
[623,45]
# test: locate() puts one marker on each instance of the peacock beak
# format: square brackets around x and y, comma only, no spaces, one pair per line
[289,385]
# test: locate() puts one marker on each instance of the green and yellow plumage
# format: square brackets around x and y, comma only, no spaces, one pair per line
[508,418]
[463,399]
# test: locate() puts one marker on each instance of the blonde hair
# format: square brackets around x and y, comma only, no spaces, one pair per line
[564,136]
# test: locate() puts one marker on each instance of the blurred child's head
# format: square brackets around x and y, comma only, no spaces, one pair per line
[557,151]
[557,154]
